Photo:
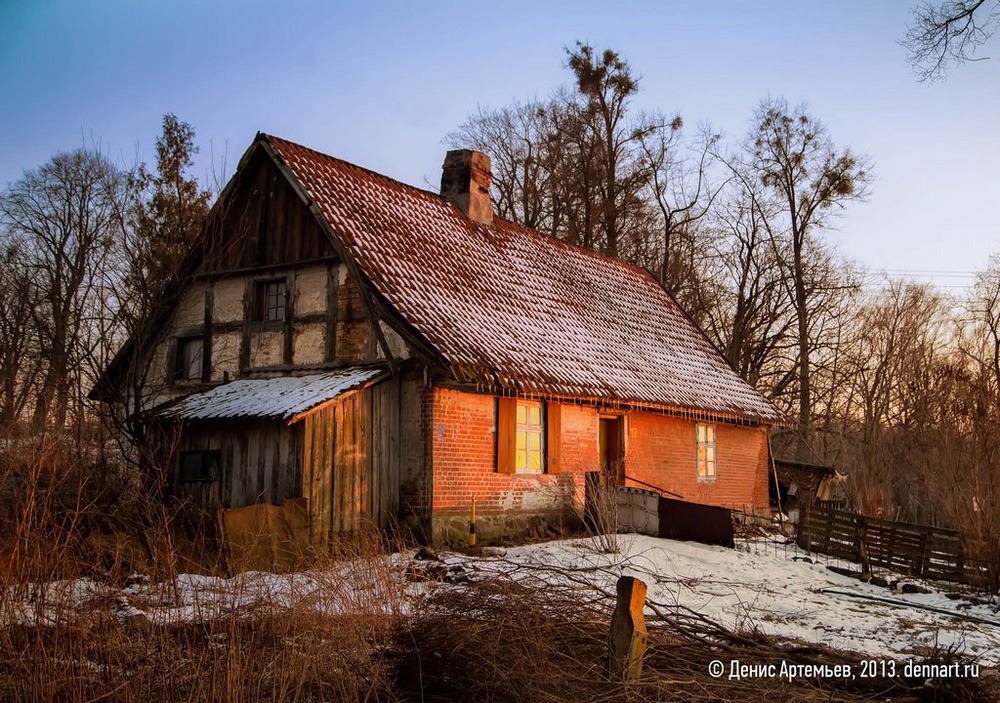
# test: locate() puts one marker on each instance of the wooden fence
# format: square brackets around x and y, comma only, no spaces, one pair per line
[917,550]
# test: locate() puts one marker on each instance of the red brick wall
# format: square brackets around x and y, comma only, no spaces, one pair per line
[660,450]
[579,438]
[463,447]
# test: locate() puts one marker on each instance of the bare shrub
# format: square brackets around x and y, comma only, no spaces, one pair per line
[503,640]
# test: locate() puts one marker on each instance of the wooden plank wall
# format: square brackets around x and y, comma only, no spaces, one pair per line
[351,462]
[343,458]
[264,222]
[383,452]
[261,462]
[920,550]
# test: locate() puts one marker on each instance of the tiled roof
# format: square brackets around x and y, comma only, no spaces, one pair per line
[270,398]
[513,308]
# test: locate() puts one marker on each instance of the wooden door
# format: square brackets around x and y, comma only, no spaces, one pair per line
[611,449]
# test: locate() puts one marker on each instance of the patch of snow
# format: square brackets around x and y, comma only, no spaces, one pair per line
[776,594]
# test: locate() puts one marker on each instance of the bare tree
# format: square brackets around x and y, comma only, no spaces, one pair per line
[799,165]
[894,338]
[161,221]
[516,138]
[64,214]
[948,33]
[753,319]
[681,195]
[606,83]
[19,353]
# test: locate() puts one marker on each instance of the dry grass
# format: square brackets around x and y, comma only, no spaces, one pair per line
[75,530]
[347,629]
[499,640]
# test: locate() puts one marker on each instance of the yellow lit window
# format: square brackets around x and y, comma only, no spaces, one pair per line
[706,452]
[528,441]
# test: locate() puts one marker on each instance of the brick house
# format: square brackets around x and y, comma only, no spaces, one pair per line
[388,353]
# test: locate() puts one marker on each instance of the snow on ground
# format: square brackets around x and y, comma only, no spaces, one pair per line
[771,592]
[778,595]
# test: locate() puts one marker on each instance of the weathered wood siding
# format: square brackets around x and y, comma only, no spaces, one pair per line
[263,223]
[260,462]
[384,451]
[351,462]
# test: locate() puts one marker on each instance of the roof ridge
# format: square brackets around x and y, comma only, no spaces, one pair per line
[351,164]
[579,248]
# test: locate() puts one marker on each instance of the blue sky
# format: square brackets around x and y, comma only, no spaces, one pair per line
[382,83]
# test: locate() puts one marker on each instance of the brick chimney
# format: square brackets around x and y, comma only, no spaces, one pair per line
[465,181]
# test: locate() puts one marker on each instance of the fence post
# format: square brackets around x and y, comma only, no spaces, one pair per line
[922,554]
[860,530]
[627,641]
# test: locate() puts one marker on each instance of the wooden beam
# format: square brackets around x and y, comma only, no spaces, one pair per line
[206,340]
[627,641]
[288,330]
[332,311]
[342,251]
[247,322]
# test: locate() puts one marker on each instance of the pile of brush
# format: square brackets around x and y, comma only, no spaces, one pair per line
[503,640]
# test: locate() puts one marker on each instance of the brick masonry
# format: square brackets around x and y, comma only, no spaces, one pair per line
[662,450]
[659,449]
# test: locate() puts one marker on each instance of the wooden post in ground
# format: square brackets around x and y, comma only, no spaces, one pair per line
[861,533]
[627,641]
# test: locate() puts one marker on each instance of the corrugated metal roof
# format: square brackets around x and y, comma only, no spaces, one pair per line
[509,306]
[271,398]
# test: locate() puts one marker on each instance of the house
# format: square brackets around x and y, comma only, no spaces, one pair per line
[388,354]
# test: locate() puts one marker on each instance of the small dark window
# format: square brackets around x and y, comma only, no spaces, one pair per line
[269,300]
[189,358]
[202,465]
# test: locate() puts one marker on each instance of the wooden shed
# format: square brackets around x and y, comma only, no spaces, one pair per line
[329,438]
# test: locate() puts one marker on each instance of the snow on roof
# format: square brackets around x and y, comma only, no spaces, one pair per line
[276,398]
[509,307]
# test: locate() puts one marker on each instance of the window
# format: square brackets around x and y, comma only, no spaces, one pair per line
[528,442]
[269,300]
[202,465]
[527,436]
[706,452]
[188,363]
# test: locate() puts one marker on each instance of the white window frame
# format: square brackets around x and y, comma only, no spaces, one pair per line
[706,452]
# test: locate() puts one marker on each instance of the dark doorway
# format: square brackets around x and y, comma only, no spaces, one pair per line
[611,448]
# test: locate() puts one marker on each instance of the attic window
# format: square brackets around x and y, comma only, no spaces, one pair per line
[269,300]
[189,357]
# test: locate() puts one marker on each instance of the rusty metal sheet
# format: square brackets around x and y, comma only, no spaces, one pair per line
[694,522]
